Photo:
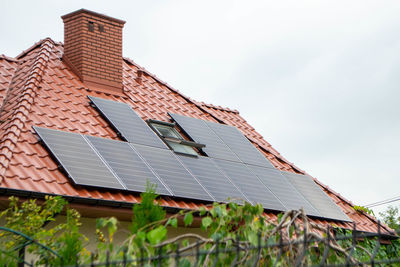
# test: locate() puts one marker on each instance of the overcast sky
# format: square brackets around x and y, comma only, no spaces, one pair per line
[320,80]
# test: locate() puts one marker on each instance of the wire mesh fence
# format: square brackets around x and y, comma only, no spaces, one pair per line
[306,251]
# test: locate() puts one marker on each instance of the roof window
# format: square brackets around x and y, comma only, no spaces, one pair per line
[174,139]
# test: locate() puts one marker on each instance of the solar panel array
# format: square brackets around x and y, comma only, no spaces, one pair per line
[127,123]
[201,133]
[222,141]
[239,144]
[234,171]
[314,194]
[283,189]
[249,184]
[126,163]
[213,179]
[173,173]
[79,160]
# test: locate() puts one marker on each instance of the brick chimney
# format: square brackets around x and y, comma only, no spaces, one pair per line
[93,49]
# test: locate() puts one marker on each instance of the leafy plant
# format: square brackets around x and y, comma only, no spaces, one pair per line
[364,209]
[147,211]
[60,244]
[241,229]
[391,217]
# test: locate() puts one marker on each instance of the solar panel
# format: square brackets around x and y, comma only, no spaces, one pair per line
[127,165]
[209,175]
[78,159]
[239,144]
[314,194]
[249,184]
[201,133]
[127,123]
[283,189]
[172,172]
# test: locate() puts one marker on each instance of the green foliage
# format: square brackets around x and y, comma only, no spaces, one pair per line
[34,221]
[364,209]
[225,226]
[391,217]
[147,211]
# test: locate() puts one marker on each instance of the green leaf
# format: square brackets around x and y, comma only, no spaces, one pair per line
[205,222]
[185,243]
[188,219]
[173,222]
[202,211]
[141,236]
[155,236]
[185,263]
[213,212]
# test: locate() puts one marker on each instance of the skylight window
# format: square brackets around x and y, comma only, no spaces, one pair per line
[174,139]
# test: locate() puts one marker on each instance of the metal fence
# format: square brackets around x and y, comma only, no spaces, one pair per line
[270,254]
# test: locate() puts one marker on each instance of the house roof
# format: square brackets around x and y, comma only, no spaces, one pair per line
[38,88]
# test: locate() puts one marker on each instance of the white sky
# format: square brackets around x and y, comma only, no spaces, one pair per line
[320,80]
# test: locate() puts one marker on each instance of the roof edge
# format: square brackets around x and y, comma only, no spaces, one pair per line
[196,103]
[34,46]
[33,80]
[2,56]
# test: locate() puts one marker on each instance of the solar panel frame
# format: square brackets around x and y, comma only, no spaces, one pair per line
[283,189]
[78,159]
[173,173]
[318,198]
[127,123]
[239,144]
[127,165]
[213,179]
[250,185]
[198,131]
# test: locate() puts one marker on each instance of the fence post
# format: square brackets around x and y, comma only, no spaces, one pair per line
[353,244]
[141,256]
[216,252]
[280,248]
[197,253]
[234,263]
[177,255]
[258,249]
[92,260]
[108,258]
[124,256]
[378,244]
[21,257]
[303,253]
[159,256]
[328,246]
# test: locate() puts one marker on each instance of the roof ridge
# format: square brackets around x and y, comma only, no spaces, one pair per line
[35,45]
[2,56]
[196,103]
[218,107]
[22,109]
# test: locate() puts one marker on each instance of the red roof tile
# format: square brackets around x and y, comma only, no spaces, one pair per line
[47,94]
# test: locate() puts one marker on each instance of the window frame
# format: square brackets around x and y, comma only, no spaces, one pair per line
[179,140]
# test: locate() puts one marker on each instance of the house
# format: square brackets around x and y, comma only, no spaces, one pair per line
[62,86]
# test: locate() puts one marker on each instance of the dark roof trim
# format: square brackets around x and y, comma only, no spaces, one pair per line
[113,203]
[74,199]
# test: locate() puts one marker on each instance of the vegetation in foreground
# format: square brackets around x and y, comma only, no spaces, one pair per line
[228,227]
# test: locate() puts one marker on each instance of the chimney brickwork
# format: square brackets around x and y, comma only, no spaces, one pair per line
[93,48]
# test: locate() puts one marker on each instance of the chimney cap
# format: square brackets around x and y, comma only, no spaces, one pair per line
[92,13]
